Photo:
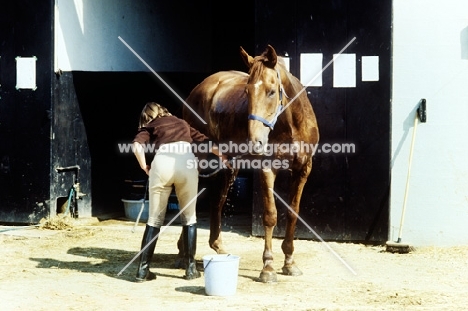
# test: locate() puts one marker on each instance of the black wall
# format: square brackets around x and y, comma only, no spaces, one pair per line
[25,115]
[69,147]
[347,195]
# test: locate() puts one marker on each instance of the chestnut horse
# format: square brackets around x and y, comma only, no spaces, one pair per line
[267,106]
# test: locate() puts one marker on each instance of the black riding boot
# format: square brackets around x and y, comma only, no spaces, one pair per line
[143,272]
[189,235]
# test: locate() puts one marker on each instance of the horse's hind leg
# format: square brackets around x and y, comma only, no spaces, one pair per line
[299,178]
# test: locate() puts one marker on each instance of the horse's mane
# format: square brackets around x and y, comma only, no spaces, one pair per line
[257,67]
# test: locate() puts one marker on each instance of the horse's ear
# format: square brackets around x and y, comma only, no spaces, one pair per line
[271,56]
[248,60]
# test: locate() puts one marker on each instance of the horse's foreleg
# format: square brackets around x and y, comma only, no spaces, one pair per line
[216,208]
[217,190]
[268,273]
[220,185]
[299,178]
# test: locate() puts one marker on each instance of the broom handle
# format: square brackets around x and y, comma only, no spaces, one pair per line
[408,178]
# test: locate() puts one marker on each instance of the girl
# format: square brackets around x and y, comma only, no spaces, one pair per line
[171,137]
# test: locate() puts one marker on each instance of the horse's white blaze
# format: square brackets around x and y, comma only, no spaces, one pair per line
[257,85]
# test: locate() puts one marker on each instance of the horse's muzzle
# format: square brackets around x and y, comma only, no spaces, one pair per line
[257,148]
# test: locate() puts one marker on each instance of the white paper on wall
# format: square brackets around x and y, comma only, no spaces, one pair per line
[344,70]
[311,69]
[370,68]
[26,72]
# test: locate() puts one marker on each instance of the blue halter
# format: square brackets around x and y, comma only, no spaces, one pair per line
[271,123]
[265,121]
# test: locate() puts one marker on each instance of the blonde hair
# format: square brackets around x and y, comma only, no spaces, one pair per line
[152,111]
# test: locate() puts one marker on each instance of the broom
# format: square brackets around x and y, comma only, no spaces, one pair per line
[398,246]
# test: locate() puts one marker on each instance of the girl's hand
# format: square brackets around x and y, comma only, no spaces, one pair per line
[146,169]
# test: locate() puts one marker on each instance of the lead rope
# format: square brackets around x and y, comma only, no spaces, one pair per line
[218,169]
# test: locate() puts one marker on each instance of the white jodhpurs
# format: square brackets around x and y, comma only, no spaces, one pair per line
[170,168]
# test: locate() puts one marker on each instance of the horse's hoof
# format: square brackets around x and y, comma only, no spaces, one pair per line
[268,277]
[221,251]
[218,247]
[291,270]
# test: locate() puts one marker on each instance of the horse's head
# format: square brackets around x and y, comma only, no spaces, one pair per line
[264,92]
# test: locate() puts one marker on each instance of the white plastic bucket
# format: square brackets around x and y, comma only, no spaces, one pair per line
[221,272]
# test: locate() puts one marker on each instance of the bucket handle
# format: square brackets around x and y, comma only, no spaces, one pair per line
[211,260]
